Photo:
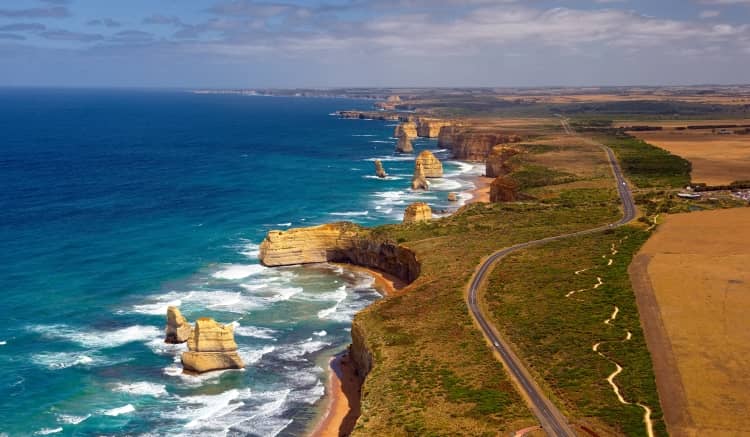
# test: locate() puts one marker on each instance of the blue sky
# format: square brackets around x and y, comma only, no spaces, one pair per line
[327,43]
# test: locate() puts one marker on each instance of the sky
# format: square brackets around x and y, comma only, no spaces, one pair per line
[373,43]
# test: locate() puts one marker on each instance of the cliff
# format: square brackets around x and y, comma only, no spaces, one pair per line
[472,144]
[373,115]
[497,161]
[338,242]
[359,352]
[504,189]
[430,164]
[430,127]
[417,212]
[408,129]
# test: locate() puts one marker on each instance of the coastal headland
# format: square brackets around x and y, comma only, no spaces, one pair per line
[566,309]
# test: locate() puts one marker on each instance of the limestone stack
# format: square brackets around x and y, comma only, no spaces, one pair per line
[504,189]
[379,170]
[178,328]
[419,181]
[408,128]
[430,164]
[417,212]
[497,161]
[404,145]
[452,197]
[211,346]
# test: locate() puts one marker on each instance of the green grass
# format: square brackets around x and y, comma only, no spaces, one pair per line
[555,334]
[646,165]
[531,176]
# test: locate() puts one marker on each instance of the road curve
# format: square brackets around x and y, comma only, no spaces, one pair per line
[551,419]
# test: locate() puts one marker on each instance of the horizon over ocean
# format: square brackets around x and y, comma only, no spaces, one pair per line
[117,203]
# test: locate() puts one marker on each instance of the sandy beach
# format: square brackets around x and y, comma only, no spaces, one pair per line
[482,191]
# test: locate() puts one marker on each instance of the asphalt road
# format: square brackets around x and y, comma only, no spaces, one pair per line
[550,418]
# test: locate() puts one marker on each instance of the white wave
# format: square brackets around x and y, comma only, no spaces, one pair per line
[251,250]
[350,213]
[238,271]
[143,388]
[285,225]
[336,296]
[298,350]
[47,431]
[390,158]
[61,360]
[156,308]
[446,184]
[381,141]
[310,395]
[322,333]
[252,356]
[158,346]
[234,302]
[3,343]
[265,419]
[71,419]
[129,408]
[210,406]
[253,331]
[98,339]
[387,178]
[363,135]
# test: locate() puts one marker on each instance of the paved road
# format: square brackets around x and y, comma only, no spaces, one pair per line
[551,419]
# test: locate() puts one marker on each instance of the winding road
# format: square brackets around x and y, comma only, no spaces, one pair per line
[550,418]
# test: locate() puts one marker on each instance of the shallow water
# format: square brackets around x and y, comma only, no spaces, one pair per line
[115,205]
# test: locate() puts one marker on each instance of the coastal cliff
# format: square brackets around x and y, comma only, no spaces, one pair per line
[430,127]
[342,242]
[498,161]
[472,144]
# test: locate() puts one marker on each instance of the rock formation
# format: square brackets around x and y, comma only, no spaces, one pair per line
[497,161]
[419,180]
[178,328]
[211,346]
[338,242]
[379,170]
[430,127]
[504,189]
[430,164]
[447,135]
[371,115]
[452,197]
[472,144]
[404,145]
[417,212]
[408,129]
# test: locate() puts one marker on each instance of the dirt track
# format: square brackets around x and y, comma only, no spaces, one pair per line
[693,290]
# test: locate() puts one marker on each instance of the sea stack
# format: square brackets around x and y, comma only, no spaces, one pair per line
[404,145]
[504,189]
[419,181]
[452,197]
[408,128]
[379,170]
[211,346]
[417,212]
[497,161]
[178,328]
[431,165]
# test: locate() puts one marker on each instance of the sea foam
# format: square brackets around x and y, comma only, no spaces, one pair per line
[238,271]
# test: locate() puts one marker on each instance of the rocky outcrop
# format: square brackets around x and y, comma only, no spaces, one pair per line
[178,328]
[504,189]
[452,197]
[379,170]
[211,346]
[404,145]
[497,161]
[338,242]
[372,115]
[430,127]
[417,212]
[408,129]
[430,164]
[419,180]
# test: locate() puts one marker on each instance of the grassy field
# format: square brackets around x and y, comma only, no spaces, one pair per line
[529,297]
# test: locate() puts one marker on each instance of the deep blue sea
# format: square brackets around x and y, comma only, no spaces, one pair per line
[116,204]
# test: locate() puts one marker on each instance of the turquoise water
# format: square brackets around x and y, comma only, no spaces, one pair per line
[116,204]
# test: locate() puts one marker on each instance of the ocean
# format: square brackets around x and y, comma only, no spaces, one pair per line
[115,204]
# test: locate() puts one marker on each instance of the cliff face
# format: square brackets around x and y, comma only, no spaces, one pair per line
[497,161]
[446,136]
[338,242]
[431,166]
[417,212]
[429,127]
[359,352]
[472,144]
[409,129]
[504,189]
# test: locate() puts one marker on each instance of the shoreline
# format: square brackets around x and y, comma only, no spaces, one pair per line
[343,389]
